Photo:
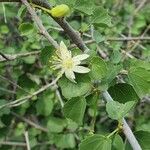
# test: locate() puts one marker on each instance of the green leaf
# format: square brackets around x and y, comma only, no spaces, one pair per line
[96,142]
[92,99]
[123,92]
[27,84]
[70,89]
[46,54]
[143,123]
[84,27]
[140,79]
[140,63]
[33,141]
[34,132]
[64,140]
[117,143]
[74,109]
[56,125]
[138,24]
[71,125]
[98,36]
[100,17]
[44,105]
[98,68]
[21,12]
[20,129]
[4,110]
[34,78]
[26,28]
[35,45]
[4,29]
[70,3]
[116,57]
[112,72]
[2,125]
[85,6]
[29,59]
[117,110]
[143,139]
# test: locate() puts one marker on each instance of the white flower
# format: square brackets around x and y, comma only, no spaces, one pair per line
[68,64]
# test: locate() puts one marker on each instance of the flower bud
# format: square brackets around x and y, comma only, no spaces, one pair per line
[60,11]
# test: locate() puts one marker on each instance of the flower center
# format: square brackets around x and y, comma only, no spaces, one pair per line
[68,63]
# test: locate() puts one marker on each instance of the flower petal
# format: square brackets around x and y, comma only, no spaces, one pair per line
[63,46]
[64,51]
[80,57]
[76,62]
[70,75]
[81,69]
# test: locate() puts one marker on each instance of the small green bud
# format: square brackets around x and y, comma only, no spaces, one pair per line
[60,11]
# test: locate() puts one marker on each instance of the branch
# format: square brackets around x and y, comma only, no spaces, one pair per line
[13,143]
[14,84]
[26,135]
[139,7]
[59,98]
[29,122]
[4,56]
[128,39]
[138,41]
[73,35]
[15,56]
[24,99]
[21,144]
[126,129]
[37,20]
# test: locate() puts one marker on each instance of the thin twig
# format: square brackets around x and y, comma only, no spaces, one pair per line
[59,98]
[138,41]
[128,39]
[14,84]
[34,94]
[6,90]
[4,11]
[13,143]
[4,56]
[140,6]
[102,53]
[21,144]
[16,56]
[127,54]
[10,104]
[31,123]
[26,135]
